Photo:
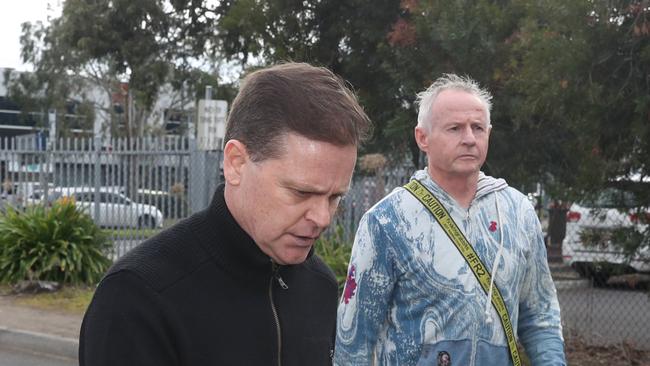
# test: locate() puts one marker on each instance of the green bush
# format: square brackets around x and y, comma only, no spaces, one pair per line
[59,243]
[335,251]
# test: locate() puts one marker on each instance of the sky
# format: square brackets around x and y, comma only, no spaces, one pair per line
[13,14]
[16,12]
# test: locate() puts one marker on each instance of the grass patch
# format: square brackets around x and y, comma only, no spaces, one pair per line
[71,299]
[127,233]
[130,233]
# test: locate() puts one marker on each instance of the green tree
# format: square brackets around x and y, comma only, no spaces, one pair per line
[347,36]
[580,75]
[147,44]
[569,79]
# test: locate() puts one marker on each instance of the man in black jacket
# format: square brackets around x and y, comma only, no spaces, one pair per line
[238,284]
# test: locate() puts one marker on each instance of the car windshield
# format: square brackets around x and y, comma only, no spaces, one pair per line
[39,194]
[610,198]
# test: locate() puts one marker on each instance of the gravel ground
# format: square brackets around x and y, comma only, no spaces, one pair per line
[624,354]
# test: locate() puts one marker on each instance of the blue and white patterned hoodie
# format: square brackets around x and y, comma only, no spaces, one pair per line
[411,298]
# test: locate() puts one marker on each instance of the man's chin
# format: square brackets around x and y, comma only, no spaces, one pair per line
[295,255]
[468,169]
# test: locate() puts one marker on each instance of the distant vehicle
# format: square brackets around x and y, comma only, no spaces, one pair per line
[589,245]
[172,205]
[115,209]
[20,192]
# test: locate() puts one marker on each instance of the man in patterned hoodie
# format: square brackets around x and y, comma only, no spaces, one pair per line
[411,298]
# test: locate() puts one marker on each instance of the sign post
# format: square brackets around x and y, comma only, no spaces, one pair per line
[211,123]
[51,118]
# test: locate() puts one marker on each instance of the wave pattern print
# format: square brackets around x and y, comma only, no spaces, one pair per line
[414,295]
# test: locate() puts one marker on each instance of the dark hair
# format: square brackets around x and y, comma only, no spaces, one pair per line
[294,98]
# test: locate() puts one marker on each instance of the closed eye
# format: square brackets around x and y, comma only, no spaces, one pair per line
[300,193]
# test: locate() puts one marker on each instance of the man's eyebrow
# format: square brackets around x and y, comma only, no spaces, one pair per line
[300,187]
[313,190]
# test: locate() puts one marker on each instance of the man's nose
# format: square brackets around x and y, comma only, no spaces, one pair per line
[468,137]
[319,212]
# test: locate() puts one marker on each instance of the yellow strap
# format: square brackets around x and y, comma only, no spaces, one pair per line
[481,272]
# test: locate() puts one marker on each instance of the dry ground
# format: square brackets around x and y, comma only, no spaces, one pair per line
[623,354]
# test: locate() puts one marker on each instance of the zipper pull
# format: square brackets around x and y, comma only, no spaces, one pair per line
[281,282]
[276,274]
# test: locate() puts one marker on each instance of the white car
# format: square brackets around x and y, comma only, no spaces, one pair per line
[589,245]
[115,209]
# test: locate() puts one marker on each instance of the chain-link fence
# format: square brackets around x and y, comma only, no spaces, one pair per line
[366,190]
[602,281]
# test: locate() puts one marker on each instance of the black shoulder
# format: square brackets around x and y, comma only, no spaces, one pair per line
[167,257]
[317,265]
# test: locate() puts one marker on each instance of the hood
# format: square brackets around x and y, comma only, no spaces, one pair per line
[486,183]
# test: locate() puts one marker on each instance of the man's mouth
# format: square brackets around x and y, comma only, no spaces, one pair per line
[305,240]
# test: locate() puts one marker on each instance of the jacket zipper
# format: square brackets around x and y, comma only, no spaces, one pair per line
[276,275]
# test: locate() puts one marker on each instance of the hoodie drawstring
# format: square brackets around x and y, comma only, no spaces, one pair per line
[495,265]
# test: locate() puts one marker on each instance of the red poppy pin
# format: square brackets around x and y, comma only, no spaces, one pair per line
[493,226]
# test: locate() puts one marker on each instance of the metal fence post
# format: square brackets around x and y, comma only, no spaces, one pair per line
[197,190]
[97,176]
[213,171]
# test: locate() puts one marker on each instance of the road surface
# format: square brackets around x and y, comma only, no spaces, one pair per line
[15,357]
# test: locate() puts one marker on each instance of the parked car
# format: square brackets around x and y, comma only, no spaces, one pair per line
[18,193]
[591,246]
[115,209]
[173,206]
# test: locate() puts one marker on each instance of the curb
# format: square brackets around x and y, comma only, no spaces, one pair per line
[39,342]
[568,284]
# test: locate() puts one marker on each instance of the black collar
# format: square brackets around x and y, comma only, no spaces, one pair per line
[230,246]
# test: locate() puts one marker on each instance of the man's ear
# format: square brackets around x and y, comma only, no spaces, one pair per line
[235,156]
[421,135]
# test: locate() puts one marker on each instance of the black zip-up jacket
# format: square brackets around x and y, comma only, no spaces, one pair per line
[202,293]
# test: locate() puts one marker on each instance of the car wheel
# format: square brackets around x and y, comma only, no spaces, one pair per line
[581,268]
[598,274]
[146,222]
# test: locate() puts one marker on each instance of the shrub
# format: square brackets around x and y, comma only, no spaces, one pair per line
[59,243]
[335,251]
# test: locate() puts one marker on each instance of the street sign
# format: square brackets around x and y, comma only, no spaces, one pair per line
[211,127]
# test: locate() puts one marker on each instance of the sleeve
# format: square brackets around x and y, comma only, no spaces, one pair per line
[125,324]
[539,326]
[364,304]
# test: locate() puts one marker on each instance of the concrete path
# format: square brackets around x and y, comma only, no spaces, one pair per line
[44,331]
